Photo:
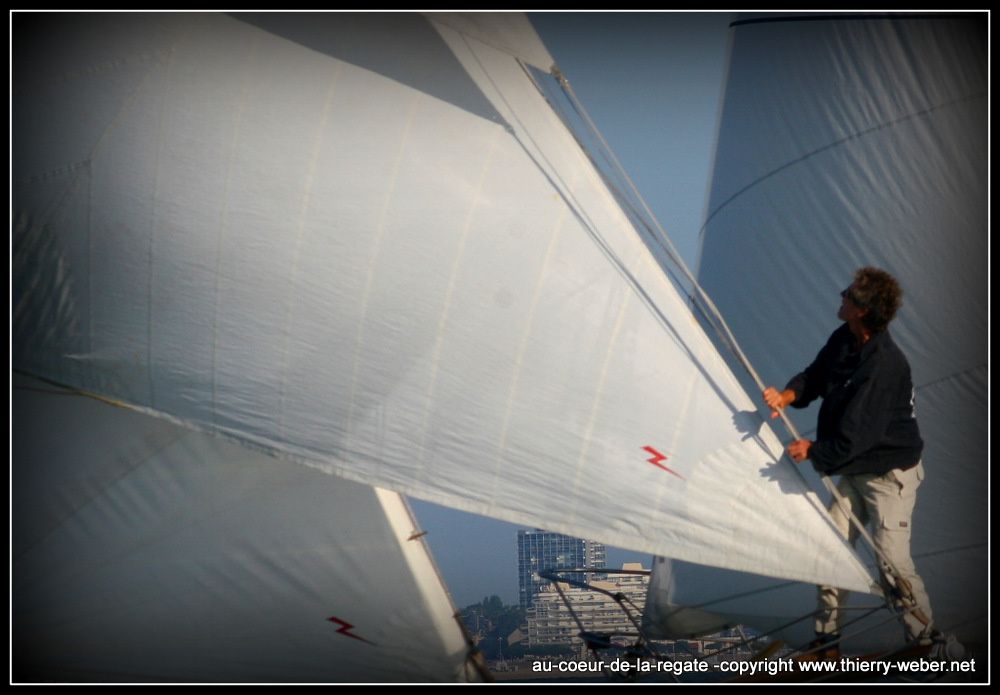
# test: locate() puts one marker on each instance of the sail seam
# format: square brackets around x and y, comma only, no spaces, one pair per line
[837,143]
[224,224]
[596,404]
[150,262]
[376,251]
[950,377]
[435,361]
[529,321]
[309,181]
[57,172]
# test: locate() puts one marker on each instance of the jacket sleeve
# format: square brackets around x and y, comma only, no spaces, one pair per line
[865,420]
[808,384]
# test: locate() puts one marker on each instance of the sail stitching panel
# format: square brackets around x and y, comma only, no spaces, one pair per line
[308,183]
[160,137]
[475,198]
[525,339]
[371,270]
[587,434]
[224,217]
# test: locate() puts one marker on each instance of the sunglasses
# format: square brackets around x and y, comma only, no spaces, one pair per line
[853,297]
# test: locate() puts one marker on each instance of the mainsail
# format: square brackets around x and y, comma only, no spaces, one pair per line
[367,244]
[845,141]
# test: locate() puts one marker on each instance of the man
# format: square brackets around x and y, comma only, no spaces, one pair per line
[867,433]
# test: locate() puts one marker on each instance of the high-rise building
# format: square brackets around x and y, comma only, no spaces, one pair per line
[538,551]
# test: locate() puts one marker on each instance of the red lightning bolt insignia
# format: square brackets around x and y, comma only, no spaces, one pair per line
[345,629]
[657,457]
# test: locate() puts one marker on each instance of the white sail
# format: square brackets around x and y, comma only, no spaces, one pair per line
[367,244]
[144,551]
[848,141]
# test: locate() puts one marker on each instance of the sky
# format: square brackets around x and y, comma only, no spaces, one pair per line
[652,83]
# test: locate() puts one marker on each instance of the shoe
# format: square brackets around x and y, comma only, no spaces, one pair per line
[826,647]
[943,647]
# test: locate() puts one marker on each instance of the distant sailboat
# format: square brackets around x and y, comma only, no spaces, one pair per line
[848,141]
[367,244]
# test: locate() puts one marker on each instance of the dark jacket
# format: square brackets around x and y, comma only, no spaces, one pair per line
[866,422]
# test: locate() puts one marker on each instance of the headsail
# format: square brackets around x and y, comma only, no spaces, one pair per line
[144,551]
[848,141]
[366,243]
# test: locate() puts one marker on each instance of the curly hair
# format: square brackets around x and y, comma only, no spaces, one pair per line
[880,294]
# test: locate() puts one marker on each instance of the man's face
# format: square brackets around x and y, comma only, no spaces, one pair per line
[849,309]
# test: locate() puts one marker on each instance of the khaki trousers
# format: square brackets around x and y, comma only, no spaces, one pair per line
[884,502]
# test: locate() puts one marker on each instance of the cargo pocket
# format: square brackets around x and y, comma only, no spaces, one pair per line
[896,520]
[893,539]
[909,480]
[895,513]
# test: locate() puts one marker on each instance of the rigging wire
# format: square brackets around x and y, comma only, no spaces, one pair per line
[590,638]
